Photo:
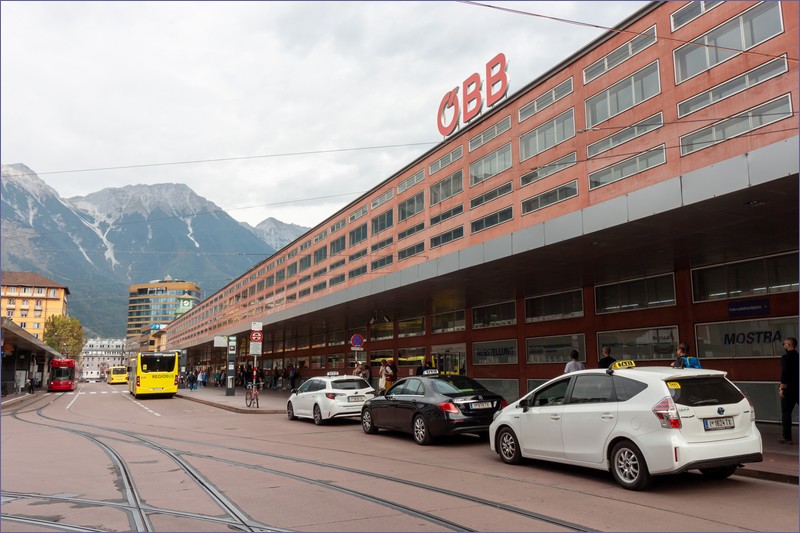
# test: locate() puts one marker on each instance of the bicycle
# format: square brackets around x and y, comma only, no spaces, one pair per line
[252,394]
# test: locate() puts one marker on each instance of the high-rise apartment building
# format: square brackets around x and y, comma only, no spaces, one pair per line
[29,299]
[152,305]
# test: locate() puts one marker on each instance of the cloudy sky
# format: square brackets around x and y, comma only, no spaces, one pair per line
[303,105]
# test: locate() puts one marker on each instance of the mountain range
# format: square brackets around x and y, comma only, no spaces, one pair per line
[100,244]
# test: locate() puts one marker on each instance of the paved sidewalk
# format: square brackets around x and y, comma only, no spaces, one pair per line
[780,460]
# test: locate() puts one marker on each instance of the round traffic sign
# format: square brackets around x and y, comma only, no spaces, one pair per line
[256,336]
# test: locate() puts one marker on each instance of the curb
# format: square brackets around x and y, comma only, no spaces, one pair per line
[767,476]
[242,410]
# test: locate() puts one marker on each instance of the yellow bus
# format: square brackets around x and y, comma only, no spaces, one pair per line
[154,374]
[117,374]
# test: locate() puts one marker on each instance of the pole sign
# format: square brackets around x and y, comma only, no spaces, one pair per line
[231,345]
[357,343]
[471,102]
[256,336]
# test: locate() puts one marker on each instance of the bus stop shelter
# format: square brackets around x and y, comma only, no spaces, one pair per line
[22,355]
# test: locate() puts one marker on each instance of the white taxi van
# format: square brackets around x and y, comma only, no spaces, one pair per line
[322,398]
[637,422]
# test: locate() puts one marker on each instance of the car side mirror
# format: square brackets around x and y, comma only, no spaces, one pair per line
[524,404]
[293,391]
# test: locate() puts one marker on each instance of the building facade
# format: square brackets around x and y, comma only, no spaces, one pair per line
[641,193]
[29,299]
[151,306]
[99,354]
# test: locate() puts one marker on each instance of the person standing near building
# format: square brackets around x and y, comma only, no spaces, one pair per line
[789,389]
[424,365]
[684,360]
[606,360]
[574,365]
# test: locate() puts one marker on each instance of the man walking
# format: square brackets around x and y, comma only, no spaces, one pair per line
[789,389]
[607,360]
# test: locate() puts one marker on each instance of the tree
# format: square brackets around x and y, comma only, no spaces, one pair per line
[65,335]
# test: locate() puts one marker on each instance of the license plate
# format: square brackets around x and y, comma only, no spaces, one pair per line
[482,405]
[356,399]
[712,424]
[158,388]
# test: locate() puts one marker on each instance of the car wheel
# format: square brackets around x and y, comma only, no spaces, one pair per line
[420,430]
[719,472]
[629,467]
[366,422]
[290,411]
[507,446]
[318,416]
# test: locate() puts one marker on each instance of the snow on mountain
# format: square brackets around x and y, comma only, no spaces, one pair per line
[276,233]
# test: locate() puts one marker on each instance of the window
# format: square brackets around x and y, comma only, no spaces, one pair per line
[410,231]
[495,219]
[495,352]
[52,293]
[742,123]
[321,235]
[490,133]
[280,275]
[450,213]
[549,169]
[490,165]
[358,214]
[488,196]
[358,255]
[303,293]
[689,12]
[620,55]
[382,199]
[624,135]
[556,349]
[447,236]
[382,244]
[360,271]
[753,27]
[337,226]
[358,235]
[644,293]
[449,186]
[449,321]
[382,262]
[628,167]
[442,162]
[556,306]
[412,250]
[623,95]
[733,86]
[335,280]
[410,182]
[411,207]
[337,245]
[552,395]
[487,316]
[305,262]
[553,196]
[319,286]
[411,327]
[745,338]
[337,264]
[642,344]
[383,221]
[547,135]
[546,100]
[306,245]
[767,275]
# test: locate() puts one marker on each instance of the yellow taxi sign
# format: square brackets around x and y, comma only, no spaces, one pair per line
[673,385]
[625,363]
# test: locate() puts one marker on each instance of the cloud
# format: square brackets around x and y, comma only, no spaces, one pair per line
[104,84]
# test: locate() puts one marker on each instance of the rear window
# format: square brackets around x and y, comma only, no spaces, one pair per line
[626,388]
[350,384]
[158,363]
[703,391]
[456,384]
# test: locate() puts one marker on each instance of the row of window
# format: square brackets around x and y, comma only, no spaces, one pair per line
[23,313]
[30,290]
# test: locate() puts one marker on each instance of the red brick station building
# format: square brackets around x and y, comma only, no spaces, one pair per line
[641,193]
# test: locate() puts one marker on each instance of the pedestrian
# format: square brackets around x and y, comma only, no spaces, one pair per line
[367,373]
[789,389]
[684,360]
[276,374]
[574,365]
[424,365]
[382,375]
[391,373]
[606,361]
[192,379]
[31,384]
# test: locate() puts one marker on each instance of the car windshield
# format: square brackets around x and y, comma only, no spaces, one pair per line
[457,385]
[704,391]
[350,384]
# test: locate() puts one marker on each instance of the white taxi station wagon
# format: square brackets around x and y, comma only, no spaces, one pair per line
[322,398]
[637,422]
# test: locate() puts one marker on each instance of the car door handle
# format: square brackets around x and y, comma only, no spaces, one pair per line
[607,416]
[555,417]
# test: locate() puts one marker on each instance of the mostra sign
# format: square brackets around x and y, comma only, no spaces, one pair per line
[453,109]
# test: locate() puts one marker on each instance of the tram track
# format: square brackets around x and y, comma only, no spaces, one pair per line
[177,456]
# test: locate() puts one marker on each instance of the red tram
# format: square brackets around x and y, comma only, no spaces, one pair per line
[63,375]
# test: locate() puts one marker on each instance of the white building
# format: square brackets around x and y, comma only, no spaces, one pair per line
[100,354]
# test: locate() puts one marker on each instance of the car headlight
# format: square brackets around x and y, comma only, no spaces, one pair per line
[496,414]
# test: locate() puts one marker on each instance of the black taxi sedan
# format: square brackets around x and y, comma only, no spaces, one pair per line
[432,405]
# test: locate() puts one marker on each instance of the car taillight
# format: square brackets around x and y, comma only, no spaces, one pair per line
[667,414]
[448,407]
[176,381]
[503,405]
[333,395]
[137,381]
[752,411]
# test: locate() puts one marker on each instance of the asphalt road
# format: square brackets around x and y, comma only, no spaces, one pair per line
[102,461]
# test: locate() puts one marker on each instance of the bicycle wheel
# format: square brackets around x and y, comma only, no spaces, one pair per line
[248,399]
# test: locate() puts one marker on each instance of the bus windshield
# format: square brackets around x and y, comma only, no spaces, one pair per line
[158,362]
[120,370]
[58,373]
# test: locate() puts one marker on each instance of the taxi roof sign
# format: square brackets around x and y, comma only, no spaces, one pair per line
[430,372]
[333,373]
[625,363]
